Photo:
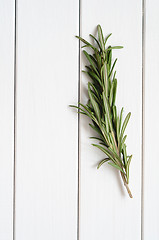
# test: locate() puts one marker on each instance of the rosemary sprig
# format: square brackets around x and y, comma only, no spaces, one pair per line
[101,108]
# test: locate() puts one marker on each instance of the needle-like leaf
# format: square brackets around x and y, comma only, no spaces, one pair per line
[107,38]
[112,68]
[124,125]
[120,121]
[94,103]
[127,167]
[114,91]
[101,38]
[103,161]
[105,151]
[84,41]
[90,61]
[95,40]
[116,166]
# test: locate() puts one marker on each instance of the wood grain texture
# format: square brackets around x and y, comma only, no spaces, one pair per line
[151,164]
[47,130]
[6,118]
[107,212]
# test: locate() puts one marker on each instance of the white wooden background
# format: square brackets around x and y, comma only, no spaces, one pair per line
[49,185]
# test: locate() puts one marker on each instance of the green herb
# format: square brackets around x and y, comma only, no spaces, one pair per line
[101,108]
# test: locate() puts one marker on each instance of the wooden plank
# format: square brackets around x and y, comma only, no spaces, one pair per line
[47,131]
[7,118]
[107,212]
[151,177]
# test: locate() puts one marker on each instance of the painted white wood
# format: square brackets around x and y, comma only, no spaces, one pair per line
[107,212]
[151,163]
[47,130]
[6,118]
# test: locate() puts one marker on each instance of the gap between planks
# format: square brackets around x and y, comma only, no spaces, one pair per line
[15,112]
[143,115]
[79,98]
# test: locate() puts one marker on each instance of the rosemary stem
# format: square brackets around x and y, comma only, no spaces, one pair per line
[126,185]
[122,175]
